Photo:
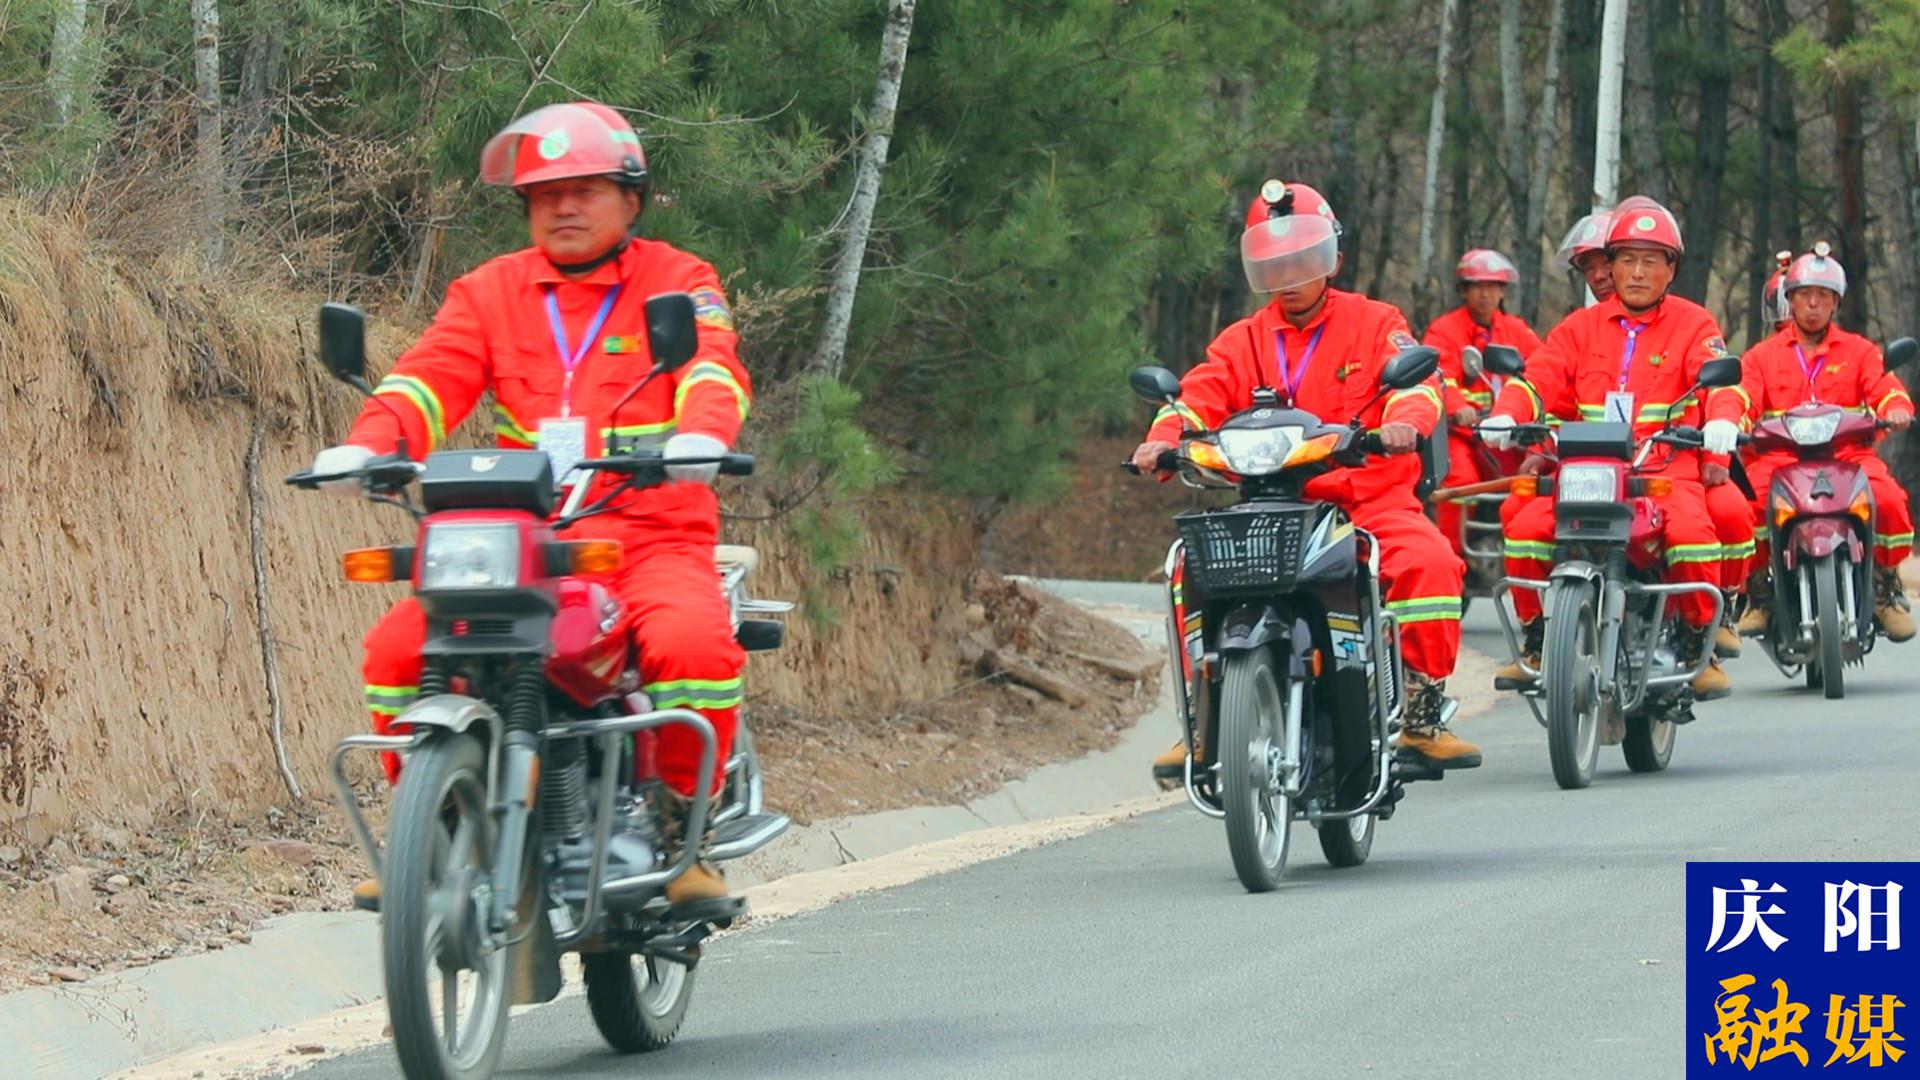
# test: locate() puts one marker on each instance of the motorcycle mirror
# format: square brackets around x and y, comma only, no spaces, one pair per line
[343,344]
[1901,351]
[1720,371]
[1471,362]
[1504,361]
[671,330]
[1156,384]
[1410,368]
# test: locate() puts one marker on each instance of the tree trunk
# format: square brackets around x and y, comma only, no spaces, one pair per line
[1710,152]
[831,359]
[1643,110]
[260,72]
[1461,124]
[212,172]
[1612,73]
[1784,136]
[1545,122]
[1850,153]
[1513,116]
[66,65]
[1423,290]
[1583,75]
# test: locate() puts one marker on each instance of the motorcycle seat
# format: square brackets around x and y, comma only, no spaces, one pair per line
[728,556]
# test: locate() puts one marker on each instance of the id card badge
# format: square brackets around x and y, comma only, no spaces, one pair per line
[1619,407]
[565,441]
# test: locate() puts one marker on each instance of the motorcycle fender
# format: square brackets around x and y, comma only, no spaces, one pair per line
[1250,627]
[1585,571]
[1815,537]
[450,712]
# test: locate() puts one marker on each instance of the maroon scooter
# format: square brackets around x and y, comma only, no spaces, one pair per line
[1819,514]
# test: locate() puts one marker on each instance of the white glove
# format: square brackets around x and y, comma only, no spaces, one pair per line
[693,446]
[1497,432]
[1720,436]
[339,459]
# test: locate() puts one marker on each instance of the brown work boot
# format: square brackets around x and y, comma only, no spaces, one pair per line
[1753,621]
[701,883]
[1424,737]
[1712,682]
[1511,676]
[1890,606]
[1172,762]
[1726,641]
[366,895]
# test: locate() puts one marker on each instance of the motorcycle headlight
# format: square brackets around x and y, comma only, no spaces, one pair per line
[1588,484]
[1257,452]
[1813,430]
[470,557]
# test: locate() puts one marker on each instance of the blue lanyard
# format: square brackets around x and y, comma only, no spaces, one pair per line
[1291,376]
[1633,330]
[570,358]
[1809,372]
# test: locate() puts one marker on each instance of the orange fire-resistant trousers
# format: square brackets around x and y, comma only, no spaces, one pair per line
[1693,548]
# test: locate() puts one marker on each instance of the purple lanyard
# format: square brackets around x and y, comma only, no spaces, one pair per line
[570,357]
[1291,376]
[1633,330]
[1808,370]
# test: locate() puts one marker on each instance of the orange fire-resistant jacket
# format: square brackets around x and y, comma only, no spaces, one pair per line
[1846,370]
[1455,331]
[1356,337]
[493,333]
[1586,358]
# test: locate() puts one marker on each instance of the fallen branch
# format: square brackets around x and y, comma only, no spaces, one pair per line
[990,658]
[1464,491]
[265,621]
[1144,667]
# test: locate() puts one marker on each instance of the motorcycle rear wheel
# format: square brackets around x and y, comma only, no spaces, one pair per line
[1826,602]
[438,848]
[1252,730]
[1570,665]
[638,1003]
[1348,841]
[1649,742]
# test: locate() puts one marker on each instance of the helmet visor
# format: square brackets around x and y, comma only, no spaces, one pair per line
[1587,234]
[554,143]
[1287,252]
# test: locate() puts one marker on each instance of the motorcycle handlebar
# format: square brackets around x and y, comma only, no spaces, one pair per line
[629,464]
[386,472]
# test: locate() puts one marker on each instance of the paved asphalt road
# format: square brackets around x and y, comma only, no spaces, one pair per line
[1503,928]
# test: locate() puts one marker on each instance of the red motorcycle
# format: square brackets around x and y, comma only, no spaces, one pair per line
[1820,515]
[528,820]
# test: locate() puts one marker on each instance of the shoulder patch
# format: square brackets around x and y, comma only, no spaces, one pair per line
[710,308]
[1401,340]
[1716,345]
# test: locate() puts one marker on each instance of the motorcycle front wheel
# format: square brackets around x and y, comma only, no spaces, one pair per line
[432,927]
[1570,667]
[1252,738]
[1826,603]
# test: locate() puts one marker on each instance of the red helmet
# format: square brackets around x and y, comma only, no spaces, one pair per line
[1292,238]
[1641,222]
[1587,235]
[1816,268]
[559,142]
[1486,264]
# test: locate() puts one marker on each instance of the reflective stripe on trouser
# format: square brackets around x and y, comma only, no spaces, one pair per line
[1421,581]
[1733,524]
[688,655]
[1892,515]
[1693,549]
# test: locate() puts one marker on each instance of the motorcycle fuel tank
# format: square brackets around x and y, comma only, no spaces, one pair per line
[590,641]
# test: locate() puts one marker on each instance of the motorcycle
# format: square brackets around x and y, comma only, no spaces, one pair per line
[529,741]
[1820,515]
[1290,681]
[1610,669]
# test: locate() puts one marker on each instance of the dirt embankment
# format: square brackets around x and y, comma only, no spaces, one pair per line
[149,415]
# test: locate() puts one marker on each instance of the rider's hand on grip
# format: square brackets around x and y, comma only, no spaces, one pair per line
[693,445]
[1899,419]
[1497,432]
[1399,438]
[1152,457]
[1720,436]
[337,460]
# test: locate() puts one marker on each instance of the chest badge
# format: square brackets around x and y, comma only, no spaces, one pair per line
[1655,359]
[620,344]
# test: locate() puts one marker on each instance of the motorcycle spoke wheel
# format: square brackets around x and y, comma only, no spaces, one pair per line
[638,1002]
[1570,667]
[448,988]
[1252,733]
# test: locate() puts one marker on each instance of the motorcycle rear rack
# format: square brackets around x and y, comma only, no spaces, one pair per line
[603,729]
[1637,693]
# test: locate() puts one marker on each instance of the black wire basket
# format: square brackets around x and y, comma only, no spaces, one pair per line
[1253,547]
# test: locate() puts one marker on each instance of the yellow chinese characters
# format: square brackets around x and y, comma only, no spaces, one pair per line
[1861,1031]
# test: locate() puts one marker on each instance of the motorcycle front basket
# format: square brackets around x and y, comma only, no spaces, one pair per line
[1253,547]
